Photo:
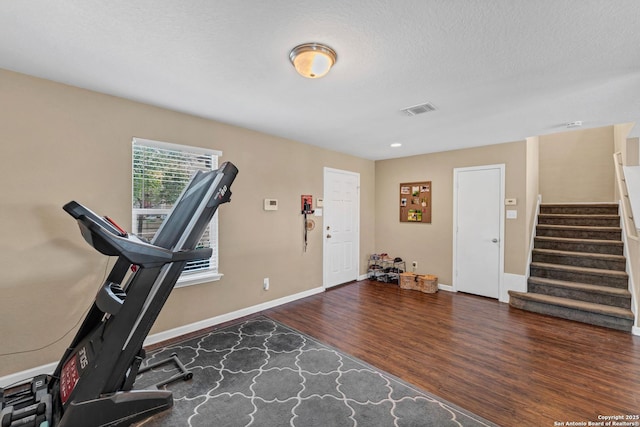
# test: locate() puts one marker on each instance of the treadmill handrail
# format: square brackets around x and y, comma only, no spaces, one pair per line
[112,243]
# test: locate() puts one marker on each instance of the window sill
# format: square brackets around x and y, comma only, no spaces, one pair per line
[197,278]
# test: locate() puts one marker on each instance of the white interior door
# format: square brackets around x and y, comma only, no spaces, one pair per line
[478,230]
[341,228]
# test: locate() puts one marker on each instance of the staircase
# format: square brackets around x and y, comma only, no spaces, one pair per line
[578,268]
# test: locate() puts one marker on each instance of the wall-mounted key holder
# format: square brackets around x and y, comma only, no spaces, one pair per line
[306,204]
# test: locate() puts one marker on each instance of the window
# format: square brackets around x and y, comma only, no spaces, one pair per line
[160,172]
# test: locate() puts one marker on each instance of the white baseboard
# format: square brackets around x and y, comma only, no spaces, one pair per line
[447,288]
[172,333]
[635,330]
[207,323]
[27,374]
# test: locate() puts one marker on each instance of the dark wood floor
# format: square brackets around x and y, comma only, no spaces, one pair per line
[509,366]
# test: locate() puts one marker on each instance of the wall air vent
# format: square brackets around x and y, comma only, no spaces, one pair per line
[419,109]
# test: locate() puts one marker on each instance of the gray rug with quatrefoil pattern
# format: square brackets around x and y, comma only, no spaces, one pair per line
[261,373]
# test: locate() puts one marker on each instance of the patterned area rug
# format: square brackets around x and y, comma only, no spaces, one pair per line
[262,373]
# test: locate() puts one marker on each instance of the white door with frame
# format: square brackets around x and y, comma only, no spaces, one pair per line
[478,260]
[341,226]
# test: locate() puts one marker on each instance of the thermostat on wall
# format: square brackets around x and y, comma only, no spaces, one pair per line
[270,204]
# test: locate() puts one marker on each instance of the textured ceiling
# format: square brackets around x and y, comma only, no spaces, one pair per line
[497,70]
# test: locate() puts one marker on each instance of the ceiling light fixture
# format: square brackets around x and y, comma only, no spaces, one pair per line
[396,145]
[313,60]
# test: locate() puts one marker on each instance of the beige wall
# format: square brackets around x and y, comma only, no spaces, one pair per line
[577,166]
[61,143]
[431,245]
[628,147]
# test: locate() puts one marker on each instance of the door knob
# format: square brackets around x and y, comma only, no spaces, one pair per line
[494,240]
[328,236]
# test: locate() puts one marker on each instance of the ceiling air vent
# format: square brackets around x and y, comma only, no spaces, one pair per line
[419,109]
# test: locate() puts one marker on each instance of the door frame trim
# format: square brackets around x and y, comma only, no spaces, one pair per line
[502,168]
[356,258]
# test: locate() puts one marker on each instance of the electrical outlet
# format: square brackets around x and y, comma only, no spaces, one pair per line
[265,284]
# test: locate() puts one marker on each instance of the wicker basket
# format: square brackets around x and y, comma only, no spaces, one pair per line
[428,283]
[408,281]
[420,282]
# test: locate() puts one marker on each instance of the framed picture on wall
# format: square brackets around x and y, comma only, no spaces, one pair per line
[415,202]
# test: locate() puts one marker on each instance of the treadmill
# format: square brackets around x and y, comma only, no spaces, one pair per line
[93,384]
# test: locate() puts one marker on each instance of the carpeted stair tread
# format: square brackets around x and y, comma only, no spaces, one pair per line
[582,286]
[582,205]
[587,270]
[578,227]
[581,220]
[590,255]
[570,216]
[576,305]
[573,215]
[579,231]
[613,247]
[578,240]
[580,208]
[579,259]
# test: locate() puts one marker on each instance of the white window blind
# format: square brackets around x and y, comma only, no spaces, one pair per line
[160,172]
